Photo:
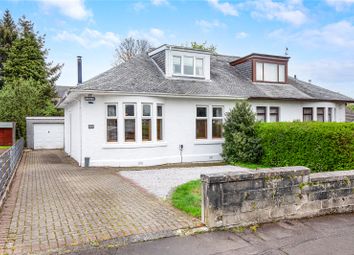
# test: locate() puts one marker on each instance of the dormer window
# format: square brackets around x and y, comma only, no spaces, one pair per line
[263,68]
[192,66]
[269,72]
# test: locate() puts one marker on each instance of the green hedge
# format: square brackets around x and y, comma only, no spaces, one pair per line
[319,146]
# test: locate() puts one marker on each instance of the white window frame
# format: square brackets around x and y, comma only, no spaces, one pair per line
[163,122]
[116,117]
[261,64]
[217,118]
[202,118]
[194,66]
[130,118]
[147,118]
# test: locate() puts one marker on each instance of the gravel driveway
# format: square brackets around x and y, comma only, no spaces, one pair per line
[161,181]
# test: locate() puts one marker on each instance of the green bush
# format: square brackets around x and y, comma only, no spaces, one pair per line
[241,143]
[319,146]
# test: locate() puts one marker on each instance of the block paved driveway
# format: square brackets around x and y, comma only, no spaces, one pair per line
[54,204]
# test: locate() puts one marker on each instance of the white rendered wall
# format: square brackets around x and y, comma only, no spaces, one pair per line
[179,128]
[72,127]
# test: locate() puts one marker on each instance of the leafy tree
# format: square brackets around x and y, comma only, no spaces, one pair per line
[8,34]
[21,98]
[241,142]
[129,48]
[204,46]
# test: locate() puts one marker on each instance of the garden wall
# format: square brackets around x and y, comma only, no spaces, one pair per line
[266,195]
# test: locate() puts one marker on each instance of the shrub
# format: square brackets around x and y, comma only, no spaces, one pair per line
[241,143]
[319,146]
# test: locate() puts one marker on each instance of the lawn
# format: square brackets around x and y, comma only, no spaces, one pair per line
[250,165]
[187,198]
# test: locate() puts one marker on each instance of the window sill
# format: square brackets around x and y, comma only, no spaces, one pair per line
[134,145]
[209,142]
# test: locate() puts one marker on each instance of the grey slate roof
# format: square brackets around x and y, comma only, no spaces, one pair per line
[61,90]
[141,75]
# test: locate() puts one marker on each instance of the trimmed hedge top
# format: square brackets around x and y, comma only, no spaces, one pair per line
[319,146]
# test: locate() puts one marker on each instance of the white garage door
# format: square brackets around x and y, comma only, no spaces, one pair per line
[48,136]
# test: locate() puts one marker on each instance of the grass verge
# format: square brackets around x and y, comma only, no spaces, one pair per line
[187,198]
[250,165]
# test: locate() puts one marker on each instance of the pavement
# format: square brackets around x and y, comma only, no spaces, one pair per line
[327,235]
[54,205]
[161,182]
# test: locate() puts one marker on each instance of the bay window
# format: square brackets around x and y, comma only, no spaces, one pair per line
[217,122]
[159,124]
[112,123]
[146,122]
[261,113]
[307,114]
[202,122]
[129,122]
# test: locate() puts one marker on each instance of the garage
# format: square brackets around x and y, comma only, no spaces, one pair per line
[45,132]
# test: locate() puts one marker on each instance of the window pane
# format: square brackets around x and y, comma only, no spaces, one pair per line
[308,114]
[159,111]
[202,112]
[261,114]
[202,129]
[130,110]
[159,130]
[217,111]
[146,130]
[329,114]
[146,110]
[129,129]
[112,135]
[259,71]
[111,111]
[217,128]
[320,114]
[281,73]
[188,65]
[270,72]
[274,114]
[199,67]
[177,65]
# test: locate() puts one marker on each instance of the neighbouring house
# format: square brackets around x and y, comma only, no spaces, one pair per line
[169,105]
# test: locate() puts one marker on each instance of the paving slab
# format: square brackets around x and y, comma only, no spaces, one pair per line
[161,182]
[54,204]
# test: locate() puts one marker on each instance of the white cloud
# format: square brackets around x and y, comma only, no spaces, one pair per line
[291,11]
[138,6]
[339,34]
[90,38]
[340,5]
[209,25]
[75,9]
[226,8]
[154,35]
[159,2]
[241,35]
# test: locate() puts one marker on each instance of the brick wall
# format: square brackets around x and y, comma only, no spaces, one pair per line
[259,196]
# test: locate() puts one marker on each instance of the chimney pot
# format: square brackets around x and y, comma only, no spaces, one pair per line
[79,70]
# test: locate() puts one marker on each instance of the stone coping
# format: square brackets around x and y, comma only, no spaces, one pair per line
[332,176]
[256,174]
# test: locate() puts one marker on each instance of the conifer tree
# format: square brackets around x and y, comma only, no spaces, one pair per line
[241,142]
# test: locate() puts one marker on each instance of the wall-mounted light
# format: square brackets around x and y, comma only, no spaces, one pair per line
[90,99]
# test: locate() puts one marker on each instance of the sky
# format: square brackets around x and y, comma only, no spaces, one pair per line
[319,34]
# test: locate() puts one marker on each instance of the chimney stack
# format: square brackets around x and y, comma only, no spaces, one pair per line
[79,70]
